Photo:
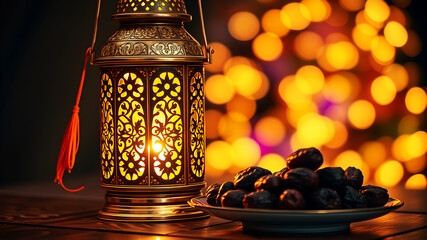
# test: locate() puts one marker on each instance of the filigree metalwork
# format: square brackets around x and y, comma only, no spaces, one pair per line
[166,48]
[124,49]
[131,6]
[107,128]
[166,127]
[131,128]
[197,128]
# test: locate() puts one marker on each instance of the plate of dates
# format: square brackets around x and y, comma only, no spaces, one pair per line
[301,198]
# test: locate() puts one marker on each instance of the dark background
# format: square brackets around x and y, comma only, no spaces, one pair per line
[42,52]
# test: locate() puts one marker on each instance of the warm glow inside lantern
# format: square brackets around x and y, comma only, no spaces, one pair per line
[152,114]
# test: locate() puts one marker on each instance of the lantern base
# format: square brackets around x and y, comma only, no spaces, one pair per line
[150,204]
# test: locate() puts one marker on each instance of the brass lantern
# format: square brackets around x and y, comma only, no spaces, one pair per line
[152,113]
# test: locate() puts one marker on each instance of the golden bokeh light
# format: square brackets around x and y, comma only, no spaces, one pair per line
[342,55]
[416,165]
[377,10]
[237,60]
[292,95]
[416,100]
[338,88]
[243,26]
[233,126]
[337,112]
[398,74]
[352,5]
[219,58]
[413,47]
[374,153]
[219,155]
[246,152]
[295,16]
[320,10]
[273,162]
[219,89]
[340,136]
[361,114]
[267,46]
[294,115]
[243,105]
[363,34]
[315,130]
[383,90]
[416,182]
[395,34]
[389,173]
[212,120]
[408,124]
[309,79]
[272,23]
[399,148]
[416,144]
[382,51]
[270,131]
[307,44]
[246,79]
[362,18]
[263,89]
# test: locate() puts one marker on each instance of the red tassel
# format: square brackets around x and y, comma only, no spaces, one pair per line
[70,142]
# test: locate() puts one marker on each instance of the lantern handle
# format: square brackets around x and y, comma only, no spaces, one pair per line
[209,51]
[95,31]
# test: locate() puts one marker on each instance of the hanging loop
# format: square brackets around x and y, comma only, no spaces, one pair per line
[208,50]
[95,31]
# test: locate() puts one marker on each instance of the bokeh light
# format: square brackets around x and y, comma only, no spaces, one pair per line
[342,55]
[416,182]
[382,51]
[383,90]
[320,10]
[219,155]
[243,105]
[315,130]
[243,26]
[352,5]
[307,45]
[363,34]
[398,74]
[246,152]
[416,100]
[374,153]
[267,46]
[361,114]
[272,23]
[295,16]
[212,120]
[219,89]
[273,162]
[377,10]
[395,34]
[232,126]
[270,131]
[389,173]
[246,79]
[309,79]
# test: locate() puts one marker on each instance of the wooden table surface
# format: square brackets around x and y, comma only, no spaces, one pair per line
[37,212]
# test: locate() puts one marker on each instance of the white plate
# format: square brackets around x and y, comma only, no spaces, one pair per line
[296,221]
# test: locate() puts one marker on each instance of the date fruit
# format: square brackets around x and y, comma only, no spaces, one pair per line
[354,177]
[302,179]
[376,196]
[246,178]
[282,172]
[258,199]
[292,199]
[325,198]
[271,183]
[211,194]
[332,177]
[225,187]
[351,198]
[310,158]
[233,198]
